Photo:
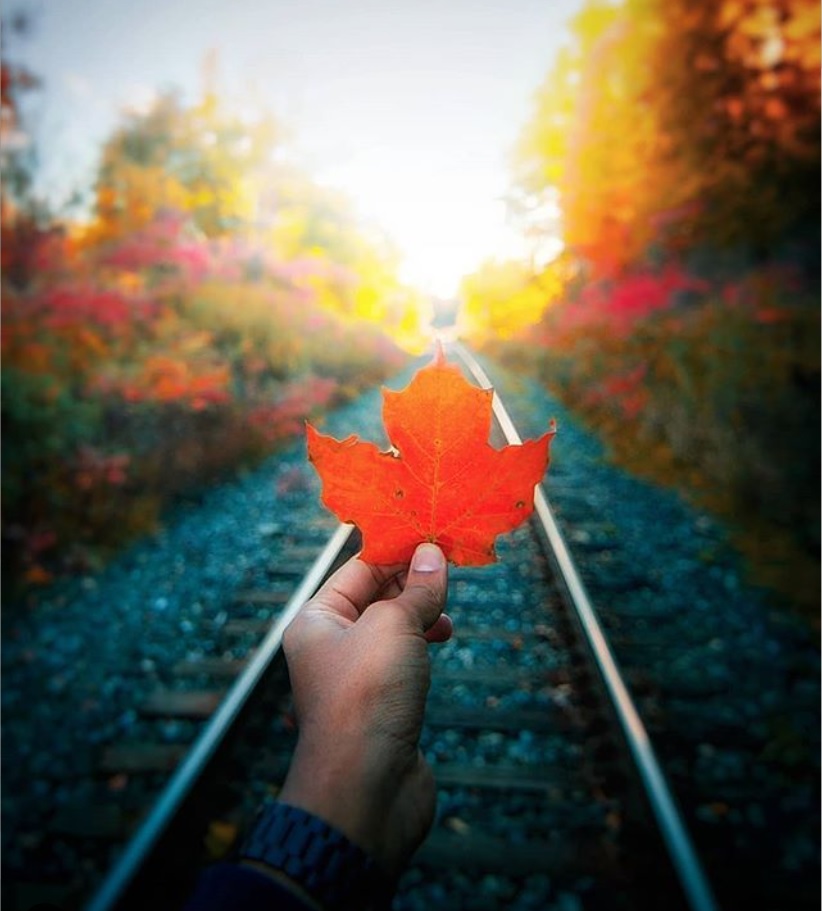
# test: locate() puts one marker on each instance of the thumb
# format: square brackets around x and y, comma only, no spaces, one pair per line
[423,597]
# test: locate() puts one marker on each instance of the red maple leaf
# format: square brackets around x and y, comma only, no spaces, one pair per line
[441,482]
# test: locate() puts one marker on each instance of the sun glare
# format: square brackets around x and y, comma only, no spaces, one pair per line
[444,221]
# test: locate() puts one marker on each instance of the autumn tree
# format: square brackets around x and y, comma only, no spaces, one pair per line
[200,160]
[15,142]
[27,223]
[502,298]
[226,178]
[677,124]
[588,136]
[737,102]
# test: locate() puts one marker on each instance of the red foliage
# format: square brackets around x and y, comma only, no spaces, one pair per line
[617,306]
[298,401]
[625,391]
[162,244]
[66,308]
[93,469]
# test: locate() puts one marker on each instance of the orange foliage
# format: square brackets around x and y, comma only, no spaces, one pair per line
[286,417]
[166,379]
[442,483]
[671,123]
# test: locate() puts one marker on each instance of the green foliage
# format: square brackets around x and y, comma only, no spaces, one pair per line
[739,401]
[42,421]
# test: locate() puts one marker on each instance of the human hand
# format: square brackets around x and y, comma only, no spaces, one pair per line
[360,672]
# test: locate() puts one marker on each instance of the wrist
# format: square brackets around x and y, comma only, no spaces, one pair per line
[346,786]
[314,860]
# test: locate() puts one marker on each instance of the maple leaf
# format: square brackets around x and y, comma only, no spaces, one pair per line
[441,482]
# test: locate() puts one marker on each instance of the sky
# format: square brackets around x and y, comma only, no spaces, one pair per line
[409,106]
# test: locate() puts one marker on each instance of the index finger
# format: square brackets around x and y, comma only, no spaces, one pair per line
[354,586]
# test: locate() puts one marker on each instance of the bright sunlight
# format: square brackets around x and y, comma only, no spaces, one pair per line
[443,219]
[409,109]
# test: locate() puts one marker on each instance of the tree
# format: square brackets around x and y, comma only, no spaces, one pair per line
[26,224]
[737,101]
[679,124]
[501,299]
[199,160]
[223,181]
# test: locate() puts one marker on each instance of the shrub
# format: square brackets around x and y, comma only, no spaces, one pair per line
[717,394]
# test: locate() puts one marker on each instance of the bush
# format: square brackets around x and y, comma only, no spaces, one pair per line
[717,395]
[121,395]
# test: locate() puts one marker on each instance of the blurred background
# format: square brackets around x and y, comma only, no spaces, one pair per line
[219,219]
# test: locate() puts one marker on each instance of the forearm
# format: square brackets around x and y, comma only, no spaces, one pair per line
[340,785]
[374,788]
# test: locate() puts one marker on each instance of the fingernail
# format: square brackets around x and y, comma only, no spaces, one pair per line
[428,558]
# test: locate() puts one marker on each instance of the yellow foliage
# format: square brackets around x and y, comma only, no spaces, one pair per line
[590,136]
[355,275]
[200,161]
[503,298]
[664,120]
[408,332]
[139,194]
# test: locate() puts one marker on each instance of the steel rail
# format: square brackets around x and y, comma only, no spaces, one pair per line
[681,851]
[114,887]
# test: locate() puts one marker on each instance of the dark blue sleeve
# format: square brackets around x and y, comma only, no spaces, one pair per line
[235,887]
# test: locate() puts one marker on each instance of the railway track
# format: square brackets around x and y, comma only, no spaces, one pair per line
[550,795]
